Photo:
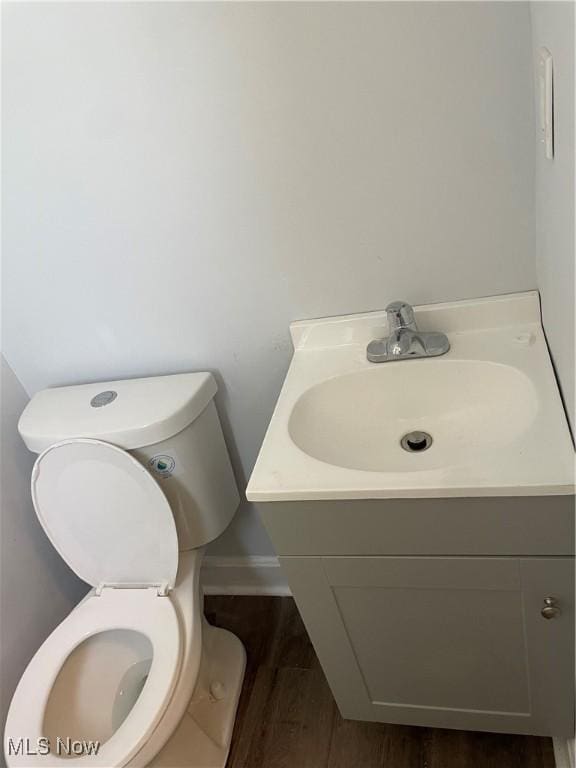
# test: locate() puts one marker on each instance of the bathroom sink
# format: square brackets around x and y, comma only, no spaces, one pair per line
[468,408]
[484,419]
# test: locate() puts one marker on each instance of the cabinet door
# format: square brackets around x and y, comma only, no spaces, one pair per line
[443,641]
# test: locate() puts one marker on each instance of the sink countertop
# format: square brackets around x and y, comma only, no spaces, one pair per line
[499,428]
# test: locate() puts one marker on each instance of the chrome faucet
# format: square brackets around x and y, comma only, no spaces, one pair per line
[404,340]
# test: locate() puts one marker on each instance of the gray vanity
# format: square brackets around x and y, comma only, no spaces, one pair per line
[437,588]
[430,612]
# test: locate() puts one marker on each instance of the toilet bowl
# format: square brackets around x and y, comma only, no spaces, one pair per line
[134,675]
[88,660]
[66,666]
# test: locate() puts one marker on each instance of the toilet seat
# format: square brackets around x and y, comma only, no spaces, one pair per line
[141,610]
[105,514]
[111,522]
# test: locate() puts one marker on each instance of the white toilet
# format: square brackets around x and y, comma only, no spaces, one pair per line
[132,480]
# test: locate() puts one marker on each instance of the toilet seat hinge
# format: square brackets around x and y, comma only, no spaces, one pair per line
[162,589]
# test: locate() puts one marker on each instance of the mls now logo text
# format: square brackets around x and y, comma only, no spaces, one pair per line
[61,746]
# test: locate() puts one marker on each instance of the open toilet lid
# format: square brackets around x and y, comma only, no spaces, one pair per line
[105,514]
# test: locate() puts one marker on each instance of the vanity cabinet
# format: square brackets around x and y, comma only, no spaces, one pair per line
[445,642]
[435,626]
[422,575]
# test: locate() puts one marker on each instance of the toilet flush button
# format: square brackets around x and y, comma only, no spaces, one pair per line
[103,398]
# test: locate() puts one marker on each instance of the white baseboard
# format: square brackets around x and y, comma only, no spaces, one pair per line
[564,753]
[243,576]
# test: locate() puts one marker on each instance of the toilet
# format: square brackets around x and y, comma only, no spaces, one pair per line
[132,481]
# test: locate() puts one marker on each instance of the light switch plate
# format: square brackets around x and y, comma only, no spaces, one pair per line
[546,89]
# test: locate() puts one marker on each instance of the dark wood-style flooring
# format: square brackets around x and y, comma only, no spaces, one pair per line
[287,717]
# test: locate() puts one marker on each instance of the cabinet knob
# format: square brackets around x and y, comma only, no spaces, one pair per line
[550,609]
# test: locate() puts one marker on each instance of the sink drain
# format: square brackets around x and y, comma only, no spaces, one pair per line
[416,442]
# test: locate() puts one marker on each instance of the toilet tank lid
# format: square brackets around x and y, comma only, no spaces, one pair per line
[131,413]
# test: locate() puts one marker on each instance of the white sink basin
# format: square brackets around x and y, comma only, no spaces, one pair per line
[469,408]
[491,406]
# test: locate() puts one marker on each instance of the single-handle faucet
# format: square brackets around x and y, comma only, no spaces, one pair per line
[404,340]
[400,315]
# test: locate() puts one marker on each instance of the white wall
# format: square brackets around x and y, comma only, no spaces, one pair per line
[181,180]
[553,27]
[36,587]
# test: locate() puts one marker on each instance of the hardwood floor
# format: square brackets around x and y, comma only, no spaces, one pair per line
[287,717]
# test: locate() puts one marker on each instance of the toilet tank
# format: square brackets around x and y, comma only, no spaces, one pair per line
[169,423]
